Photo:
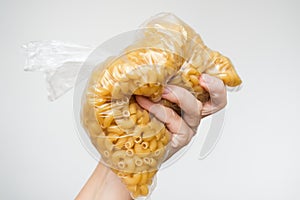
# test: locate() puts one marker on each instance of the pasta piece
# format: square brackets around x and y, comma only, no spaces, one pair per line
[132,188]
[129,152]
[125,123]
[139,150]
[138,161]
[130,164]
[142,168]
[94,129]
[121,142]
[129,143]
[108,145]
[115,130]
[145,118]
[118,156]
[132,180]
[152,76]
[165,139]
[106,154]
[133,118]
[138,139]
[194,79]
[146,160]
[126,113]
[120,174]
[139,114]
[160,145]
[121,165]
[145,145]
[144,178]
[144,190]
[132,108]
[153,163]
[103,108]
[124,87]
[153,145]
[113,137]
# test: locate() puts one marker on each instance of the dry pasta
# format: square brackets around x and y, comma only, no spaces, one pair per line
[131,141]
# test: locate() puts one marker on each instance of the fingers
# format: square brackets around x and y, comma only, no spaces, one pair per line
[217,91]
[181,132]
[186,101]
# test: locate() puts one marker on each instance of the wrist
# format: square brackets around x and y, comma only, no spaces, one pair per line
[103,185]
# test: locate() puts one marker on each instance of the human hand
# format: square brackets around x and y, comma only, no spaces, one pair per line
[183,128]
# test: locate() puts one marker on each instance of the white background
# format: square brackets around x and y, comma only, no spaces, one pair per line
[41,156]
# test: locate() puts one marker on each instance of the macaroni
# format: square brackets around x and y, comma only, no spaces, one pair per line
[130,140]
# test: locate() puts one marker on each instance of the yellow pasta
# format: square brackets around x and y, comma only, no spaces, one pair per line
[115,130]
[108,145]
[130,140]
[94,129]
[126,113]
[120,174]
[146,160]
[153,163]
[119,102]
[124,87]
[165,139]
[133,118]
[113,138]
[142,168]
[106,154]
[130,164]
[160,145]
[152,76]
[144,190]
[125,123]
[129,152]
[145,145]
[139,113]
[103,108]
[158,152]
[138,161]
[101,92]
[132,180]
[121,142]
[195,80]
[132,188]
[129,143]
[132,108]
[121,165]
[118,155]
[153,145]
[138,139]
[146,117]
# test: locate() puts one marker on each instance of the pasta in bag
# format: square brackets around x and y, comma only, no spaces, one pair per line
[132,142]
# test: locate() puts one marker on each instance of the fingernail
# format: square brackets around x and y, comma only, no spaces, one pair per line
[206,78]
[166,90]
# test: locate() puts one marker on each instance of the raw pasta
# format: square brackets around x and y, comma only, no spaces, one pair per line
[132,142]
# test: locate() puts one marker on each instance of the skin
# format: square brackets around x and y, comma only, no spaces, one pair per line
[105,185]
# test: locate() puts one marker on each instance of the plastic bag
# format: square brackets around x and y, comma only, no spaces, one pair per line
[130,141]
[60,61]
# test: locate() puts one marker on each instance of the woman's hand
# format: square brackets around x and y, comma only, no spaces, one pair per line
[184,128]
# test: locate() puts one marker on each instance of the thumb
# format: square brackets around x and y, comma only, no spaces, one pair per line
[217,91]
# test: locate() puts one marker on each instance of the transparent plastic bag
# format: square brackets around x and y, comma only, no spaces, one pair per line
[60,61]
[132,142]
[129,140]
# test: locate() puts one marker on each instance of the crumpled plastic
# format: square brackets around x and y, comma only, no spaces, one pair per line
[129,140]
[132,142]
